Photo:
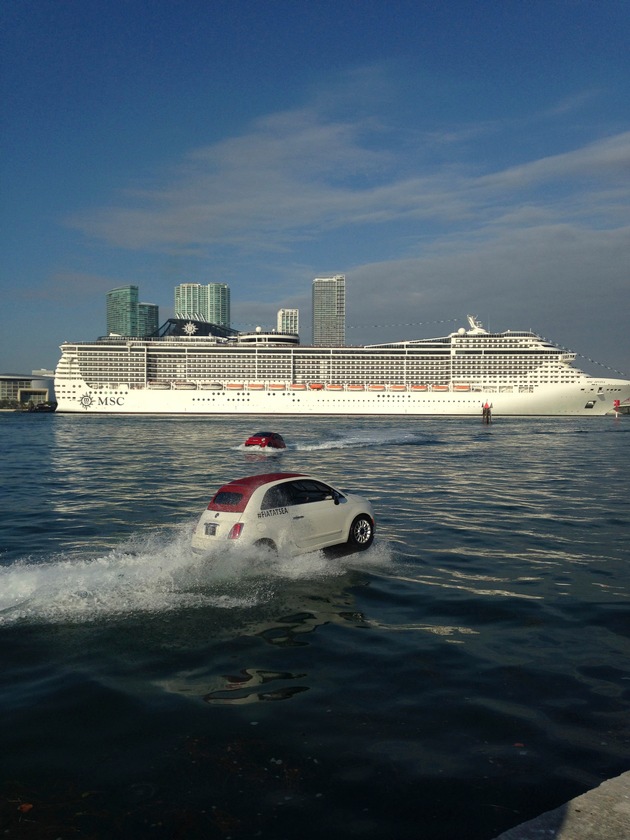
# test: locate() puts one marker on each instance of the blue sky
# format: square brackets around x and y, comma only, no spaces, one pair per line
[449,157]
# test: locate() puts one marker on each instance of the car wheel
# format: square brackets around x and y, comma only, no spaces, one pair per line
[268,545]
[361,534]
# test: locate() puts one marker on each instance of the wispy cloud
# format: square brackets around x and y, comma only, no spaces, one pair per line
[608,157]
[296,175]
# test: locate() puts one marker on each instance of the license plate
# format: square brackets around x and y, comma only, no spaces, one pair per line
[211,529]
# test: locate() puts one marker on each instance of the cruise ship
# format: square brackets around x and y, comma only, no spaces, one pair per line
[193,367]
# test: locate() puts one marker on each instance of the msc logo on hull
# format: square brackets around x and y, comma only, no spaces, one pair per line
[88,401]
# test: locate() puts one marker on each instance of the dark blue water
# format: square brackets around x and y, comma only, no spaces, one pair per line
[469,671]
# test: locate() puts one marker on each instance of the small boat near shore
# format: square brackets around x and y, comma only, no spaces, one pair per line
[39,408]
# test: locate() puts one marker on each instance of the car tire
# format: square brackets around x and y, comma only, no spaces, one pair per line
[268,545]
[361,534]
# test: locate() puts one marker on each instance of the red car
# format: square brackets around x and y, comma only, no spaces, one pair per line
[266,439]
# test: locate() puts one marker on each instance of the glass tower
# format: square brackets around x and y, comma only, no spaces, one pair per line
[122,311]
[203,303]
[191,301]
[219,304]
[126,316]
[329,311]
[148,319]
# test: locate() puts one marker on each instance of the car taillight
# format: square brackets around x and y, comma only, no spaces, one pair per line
[235,531]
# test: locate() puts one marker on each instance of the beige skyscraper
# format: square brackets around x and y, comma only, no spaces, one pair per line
[289,321]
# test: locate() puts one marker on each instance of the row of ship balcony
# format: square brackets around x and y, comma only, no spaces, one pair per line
[456,387]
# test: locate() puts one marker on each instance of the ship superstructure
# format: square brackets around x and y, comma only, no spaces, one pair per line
[194,367]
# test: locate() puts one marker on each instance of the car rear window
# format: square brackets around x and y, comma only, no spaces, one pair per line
[229,500]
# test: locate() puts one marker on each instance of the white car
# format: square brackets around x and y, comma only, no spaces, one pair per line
[287,512]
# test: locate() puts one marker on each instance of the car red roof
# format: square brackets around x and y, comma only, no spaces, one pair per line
[246,487]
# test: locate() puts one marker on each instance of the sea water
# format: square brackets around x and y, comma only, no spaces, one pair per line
[466,673]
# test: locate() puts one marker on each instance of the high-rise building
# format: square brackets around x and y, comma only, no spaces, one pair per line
[203,303]
[289,321]
[122,311]
[219,304]
[329,311]
[148,319]
[126,316]
[191,301]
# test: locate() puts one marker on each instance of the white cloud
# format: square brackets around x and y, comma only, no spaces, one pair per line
[609,156]
[295,176]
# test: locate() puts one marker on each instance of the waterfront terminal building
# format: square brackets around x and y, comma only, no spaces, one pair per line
[19,391]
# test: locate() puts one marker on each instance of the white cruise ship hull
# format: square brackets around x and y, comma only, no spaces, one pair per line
[593,397]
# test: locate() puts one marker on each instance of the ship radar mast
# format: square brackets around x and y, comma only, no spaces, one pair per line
[476,327]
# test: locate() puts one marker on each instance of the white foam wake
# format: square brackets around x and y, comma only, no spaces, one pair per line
[154,572]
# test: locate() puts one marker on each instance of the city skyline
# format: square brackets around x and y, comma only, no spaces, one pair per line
[126,315]
[452,159]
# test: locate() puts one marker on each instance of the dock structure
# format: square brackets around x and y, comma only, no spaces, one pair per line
[599,814]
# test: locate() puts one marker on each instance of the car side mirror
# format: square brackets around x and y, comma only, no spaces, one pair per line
[335,498]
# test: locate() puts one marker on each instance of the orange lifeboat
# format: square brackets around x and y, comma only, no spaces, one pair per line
[316,386]
[356,387]
[397,387]
[234,386]
[298,386]
[277,386]
[439,387]
[376,387]
[334,387]
[419,387]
